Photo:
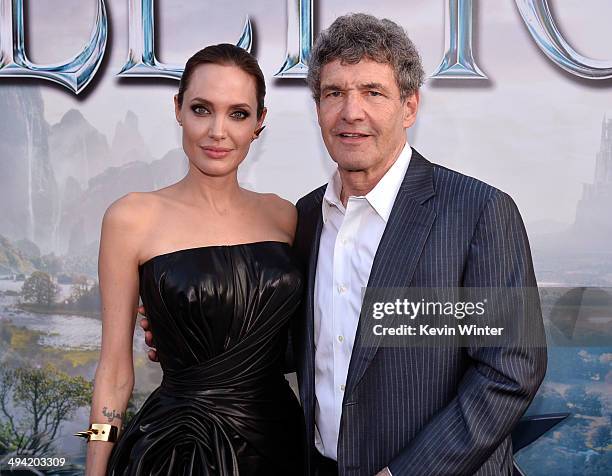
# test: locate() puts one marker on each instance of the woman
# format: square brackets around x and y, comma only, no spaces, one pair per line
[212,263]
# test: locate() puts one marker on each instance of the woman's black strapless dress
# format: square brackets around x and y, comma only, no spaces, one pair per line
[219,316]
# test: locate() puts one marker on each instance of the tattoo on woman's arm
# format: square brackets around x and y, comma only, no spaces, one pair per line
[112,414]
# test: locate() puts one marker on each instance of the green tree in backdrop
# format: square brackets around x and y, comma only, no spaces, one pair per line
[34,402]
[40,289]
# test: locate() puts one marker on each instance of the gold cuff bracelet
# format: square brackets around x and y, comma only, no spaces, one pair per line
[100,432]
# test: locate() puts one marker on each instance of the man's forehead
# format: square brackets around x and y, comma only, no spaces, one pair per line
[366,71]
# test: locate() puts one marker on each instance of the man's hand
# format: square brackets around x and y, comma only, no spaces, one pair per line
[144,323]
[384,472]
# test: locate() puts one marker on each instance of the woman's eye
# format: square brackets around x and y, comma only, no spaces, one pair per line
[239,115]
[200,110]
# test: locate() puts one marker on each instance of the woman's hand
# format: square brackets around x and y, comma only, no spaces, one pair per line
[144,323]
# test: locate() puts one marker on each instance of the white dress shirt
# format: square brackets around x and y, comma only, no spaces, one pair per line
[349,240]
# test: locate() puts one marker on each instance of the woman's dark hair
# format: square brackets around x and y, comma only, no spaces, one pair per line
[225,54]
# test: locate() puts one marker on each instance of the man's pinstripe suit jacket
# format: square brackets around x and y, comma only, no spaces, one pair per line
[427,411]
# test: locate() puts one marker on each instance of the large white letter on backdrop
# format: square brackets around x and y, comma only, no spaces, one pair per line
[75,74]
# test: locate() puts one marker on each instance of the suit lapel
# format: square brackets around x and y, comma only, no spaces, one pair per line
[397,255]
[314,225]
[312,268]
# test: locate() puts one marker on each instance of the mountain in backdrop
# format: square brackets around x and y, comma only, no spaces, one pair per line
[78,149]
[82,216]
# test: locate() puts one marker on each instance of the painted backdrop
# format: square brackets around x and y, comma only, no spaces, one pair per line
[527,112]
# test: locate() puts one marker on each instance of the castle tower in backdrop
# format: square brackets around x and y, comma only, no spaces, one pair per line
[603,167]
[594,211]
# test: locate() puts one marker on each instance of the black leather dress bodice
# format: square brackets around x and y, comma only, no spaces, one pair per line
[219,316]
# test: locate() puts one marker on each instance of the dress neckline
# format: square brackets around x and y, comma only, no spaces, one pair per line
[234,245]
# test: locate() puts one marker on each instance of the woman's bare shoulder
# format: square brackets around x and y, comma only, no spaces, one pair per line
[282,211]
[134,209]
[127,224]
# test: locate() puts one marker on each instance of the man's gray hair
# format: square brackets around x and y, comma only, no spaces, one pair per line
[353,37]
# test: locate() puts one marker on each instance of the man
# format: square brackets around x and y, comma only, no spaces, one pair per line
[389,218]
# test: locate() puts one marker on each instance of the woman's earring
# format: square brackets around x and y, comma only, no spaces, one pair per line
[180,123]
[258,131]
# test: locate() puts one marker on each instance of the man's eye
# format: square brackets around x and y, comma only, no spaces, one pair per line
[334,94]
[199,110]
[374,93]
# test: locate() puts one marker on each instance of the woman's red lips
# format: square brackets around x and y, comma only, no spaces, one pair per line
[216,152]
[216,149]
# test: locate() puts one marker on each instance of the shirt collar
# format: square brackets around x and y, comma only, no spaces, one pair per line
[332,195]
[381,198]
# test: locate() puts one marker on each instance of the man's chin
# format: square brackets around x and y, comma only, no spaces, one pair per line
[349,158]
[353,165]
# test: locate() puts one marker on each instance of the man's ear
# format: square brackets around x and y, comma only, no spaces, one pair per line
[411,106]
